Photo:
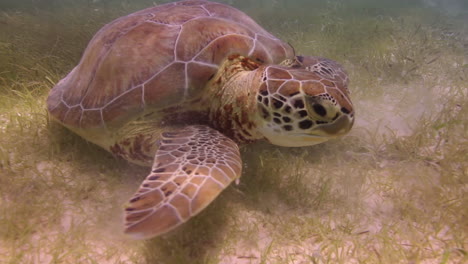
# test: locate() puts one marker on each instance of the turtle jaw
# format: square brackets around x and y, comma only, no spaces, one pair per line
[316,135]
[296,140]
[340,127]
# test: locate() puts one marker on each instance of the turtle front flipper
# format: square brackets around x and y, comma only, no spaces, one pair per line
[191,167]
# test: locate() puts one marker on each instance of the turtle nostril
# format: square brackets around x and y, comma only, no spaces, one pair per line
[320,110]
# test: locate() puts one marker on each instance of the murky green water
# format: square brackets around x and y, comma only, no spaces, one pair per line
[394,190]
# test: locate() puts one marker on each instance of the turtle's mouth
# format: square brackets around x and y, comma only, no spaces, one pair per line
[318,133]
[311,139]
[340,127]
[325,132]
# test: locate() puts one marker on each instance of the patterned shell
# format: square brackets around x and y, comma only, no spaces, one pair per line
[154,58]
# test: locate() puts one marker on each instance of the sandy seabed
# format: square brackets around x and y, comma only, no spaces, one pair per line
[392,191]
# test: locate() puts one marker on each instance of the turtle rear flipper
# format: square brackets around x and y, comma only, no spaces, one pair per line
[191,167]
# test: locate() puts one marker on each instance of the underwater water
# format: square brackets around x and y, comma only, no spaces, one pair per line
[394,190]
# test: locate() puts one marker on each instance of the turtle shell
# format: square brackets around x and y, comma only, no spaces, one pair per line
[154,58]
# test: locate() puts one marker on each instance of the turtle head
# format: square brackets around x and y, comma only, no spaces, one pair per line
[304,103]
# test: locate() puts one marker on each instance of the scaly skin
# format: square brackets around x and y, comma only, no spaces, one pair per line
[231,96]
[290,106]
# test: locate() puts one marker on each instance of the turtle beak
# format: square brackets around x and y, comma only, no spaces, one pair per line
[340,127]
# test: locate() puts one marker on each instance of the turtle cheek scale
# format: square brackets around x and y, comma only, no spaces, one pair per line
[304,132]
[304,103]
[302,121]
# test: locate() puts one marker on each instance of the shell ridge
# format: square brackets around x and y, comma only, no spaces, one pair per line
[266,50]
[159,23]
[51,109]
[143,102]
[206,10]
[163,69]
[237,23]
[103,122]
[212,65]
[120,95]
[176,43]
[186,81]
[63,100]
[81,119]
[254,45]
[66,114]
[217,38]
[276,40]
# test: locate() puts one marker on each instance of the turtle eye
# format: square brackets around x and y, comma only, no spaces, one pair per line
[320,110]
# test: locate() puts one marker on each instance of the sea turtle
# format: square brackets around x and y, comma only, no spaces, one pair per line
[178,86]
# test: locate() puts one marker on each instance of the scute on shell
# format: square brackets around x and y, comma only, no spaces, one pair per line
[155,58]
